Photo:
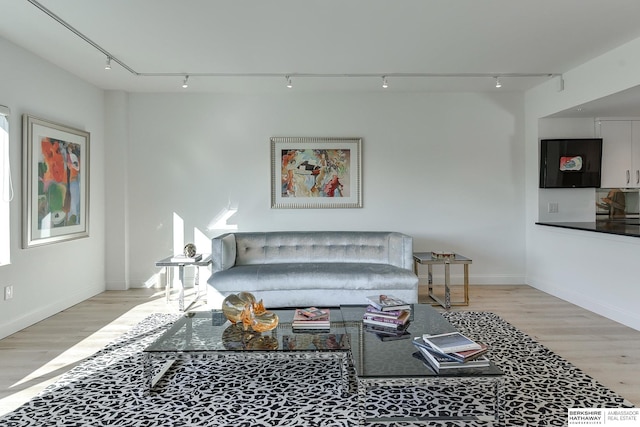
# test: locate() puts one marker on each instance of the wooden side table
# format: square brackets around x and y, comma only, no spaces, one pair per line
[430,261]
[167,262]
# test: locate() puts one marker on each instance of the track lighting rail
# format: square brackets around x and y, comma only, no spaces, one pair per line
[288,76]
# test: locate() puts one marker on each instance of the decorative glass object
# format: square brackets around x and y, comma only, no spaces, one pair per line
[233,305]
[263,320]
[445,255]
[190,250]
[263,343]
[243,308]
[236,338]
[247,317]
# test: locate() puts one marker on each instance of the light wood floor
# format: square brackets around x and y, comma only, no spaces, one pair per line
[35,357]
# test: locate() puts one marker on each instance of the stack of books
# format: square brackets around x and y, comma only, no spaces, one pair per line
[387,316]
[388,303]
[311,319]
[450,351]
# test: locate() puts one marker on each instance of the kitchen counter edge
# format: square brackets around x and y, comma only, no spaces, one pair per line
[598,227]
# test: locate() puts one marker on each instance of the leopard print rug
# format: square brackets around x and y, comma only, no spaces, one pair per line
[109,388]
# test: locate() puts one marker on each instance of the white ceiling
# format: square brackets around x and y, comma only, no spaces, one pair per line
[334,37]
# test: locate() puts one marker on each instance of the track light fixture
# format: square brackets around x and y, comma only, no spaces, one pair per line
[184,82]
[278,75]
[384,82]
[498,84]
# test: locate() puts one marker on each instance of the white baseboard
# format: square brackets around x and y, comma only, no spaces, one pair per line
[159,280]
[116,286]
[588,302]
[475,279]
[32,317]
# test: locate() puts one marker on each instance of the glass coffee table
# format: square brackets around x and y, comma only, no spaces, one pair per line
[383,364]
[208,335]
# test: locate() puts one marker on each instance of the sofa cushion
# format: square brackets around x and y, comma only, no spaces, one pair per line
[295,276]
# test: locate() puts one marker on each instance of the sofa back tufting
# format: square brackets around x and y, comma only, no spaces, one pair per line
[252,248]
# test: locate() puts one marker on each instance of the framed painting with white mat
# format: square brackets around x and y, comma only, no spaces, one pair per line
[316,172]
[55,182]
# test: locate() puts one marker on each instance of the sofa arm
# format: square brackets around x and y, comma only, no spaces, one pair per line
[401,250]
[223,252]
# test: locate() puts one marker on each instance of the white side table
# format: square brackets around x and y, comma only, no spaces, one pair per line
[427,258]
[167,262]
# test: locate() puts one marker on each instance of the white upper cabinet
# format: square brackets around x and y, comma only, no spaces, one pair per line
[620,153]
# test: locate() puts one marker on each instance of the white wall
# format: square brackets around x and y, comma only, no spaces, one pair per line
[446,168]
[596,271]
[50,278]
[117,219]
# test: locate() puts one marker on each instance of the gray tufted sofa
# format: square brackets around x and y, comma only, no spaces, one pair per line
[305,268]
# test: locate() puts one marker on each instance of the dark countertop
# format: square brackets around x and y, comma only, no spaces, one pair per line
[609,227]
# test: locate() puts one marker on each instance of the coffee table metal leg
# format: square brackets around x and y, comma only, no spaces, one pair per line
[344,372]
[165,367]
[362,402]
[150,378]
[148,372]
[498,391]
[497,394]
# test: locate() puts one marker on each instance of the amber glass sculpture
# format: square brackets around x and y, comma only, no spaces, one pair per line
[263,343]
[236,338]
[233,305]
[246,316]
[242,308]
[265,321]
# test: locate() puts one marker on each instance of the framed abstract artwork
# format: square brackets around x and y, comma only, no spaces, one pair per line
[55,182]
[316,172]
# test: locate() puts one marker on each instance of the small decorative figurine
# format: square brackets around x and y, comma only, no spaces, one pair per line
[190,250]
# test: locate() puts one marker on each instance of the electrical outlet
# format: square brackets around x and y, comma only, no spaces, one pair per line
[8,292]
[553,207]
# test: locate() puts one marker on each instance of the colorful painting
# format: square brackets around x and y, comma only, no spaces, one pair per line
[56,165]
[571,163]
[58,183]
[315,172]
